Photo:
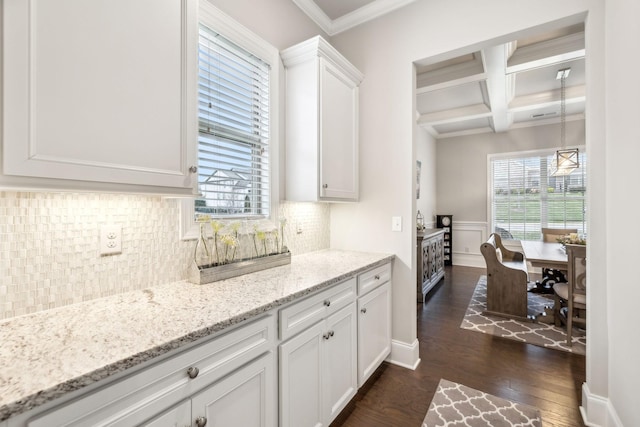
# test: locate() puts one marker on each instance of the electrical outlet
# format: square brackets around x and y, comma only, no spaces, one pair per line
[110,239]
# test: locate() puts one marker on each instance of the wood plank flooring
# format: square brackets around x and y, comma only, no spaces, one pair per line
[550,380]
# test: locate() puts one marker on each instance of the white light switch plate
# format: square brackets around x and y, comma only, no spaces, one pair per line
[396,223]
[110,239]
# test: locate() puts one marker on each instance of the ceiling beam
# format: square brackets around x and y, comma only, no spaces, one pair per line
[500,87]
[452,75]
[455,115]
[451,83]
[534,101]
[547,53]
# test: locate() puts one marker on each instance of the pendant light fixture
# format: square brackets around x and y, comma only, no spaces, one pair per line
[565,160]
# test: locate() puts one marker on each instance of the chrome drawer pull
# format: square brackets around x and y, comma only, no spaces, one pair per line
[377,277]
[364,310]
[327,303]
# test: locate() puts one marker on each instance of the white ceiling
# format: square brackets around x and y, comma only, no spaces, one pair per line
[495,89]
[336,16]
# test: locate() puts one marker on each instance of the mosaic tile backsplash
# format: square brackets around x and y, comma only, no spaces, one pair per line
[49,245]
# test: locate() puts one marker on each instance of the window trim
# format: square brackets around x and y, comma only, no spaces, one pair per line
[226,26]
[526,153]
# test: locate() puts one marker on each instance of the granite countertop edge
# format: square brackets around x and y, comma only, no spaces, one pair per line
[33,400]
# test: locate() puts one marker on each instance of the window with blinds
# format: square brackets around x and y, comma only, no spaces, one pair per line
[233,124]
[525,197]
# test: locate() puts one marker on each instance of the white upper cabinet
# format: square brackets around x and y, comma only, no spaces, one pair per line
[99,91]
[321,123]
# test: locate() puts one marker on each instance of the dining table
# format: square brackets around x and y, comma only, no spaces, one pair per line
[545,254]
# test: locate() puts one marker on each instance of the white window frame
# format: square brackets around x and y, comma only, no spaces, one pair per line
[527,153]
[229,28]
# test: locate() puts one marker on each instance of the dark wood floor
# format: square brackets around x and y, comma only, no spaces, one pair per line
[550,380]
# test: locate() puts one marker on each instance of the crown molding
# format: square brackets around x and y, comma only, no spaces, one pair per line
[359,16]
[319,47]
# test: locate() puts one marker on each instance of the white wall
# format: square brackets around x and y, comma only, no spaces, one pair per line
[426,153]
[621,157]
[280,22]
[384,49]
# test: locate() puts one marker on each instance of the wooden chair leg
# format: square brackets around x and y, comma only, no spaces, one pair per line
[569,322]
[557,305]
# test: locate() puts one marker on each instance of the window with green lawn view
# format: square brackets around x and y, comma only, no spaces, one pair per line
[525,197]
[233,124]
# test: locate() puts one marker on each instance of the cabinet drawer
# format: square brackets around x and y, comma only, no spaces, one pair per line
[151,390]
[373,278]
[300,315]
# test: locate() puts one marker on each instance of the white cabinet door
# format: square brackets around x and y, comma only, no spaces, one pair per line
[340,381]
[100,91]
[180,416]
[338,134]
[301,370]
[322,123]
[244,398]
[374,330]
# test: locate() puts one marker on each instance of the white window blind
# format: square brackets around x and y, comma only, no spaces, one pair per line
[233,123]
[525,198]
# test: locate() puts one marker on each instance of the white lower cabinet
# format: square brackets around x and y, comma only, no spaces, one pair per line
[179,416]
[245,398]
[228,380]
[329,344]
[374,321]
[318,370]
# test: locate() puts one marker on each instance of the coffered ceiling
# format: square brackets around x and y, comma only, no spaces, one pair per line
[504,86]
[494,89]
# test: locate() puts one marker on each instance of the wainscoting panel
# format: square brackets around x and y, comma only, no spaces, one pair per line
[467,238]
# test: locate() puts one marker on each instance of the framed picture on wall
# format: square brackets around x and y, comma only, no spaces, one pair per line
[418,170]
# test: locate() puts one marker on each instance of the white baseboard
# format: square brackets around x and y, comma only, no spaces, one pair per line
[597,411]
[405,355]
[469,260]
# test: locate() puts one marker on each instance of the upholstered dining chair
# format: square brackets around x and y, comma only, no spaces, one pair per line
[552,234]
[552,276]
[573,294]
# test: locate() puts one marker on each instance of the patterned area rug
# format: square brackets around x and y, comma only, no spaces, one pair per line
[456,405]
[541,334]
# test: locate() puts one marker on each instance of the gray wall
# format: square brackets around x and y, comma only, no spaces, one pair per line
[462,179]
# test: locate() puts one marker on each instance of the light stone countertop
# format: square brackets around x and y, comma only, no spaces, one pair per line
[49,353]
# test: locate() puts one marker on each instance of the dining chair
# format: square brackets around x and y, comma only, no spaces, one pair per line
[552,234]
[573,294]
[552,276]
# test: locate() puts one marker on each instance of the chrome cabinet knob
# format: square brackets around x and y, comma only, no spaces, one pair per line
[327,303]
[201,421]
[377,277]
[193,372]
[193,169]
[325,185]
[363,310]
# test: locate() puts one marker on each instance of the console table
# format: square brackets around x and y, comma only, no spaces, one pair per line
[430,260]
